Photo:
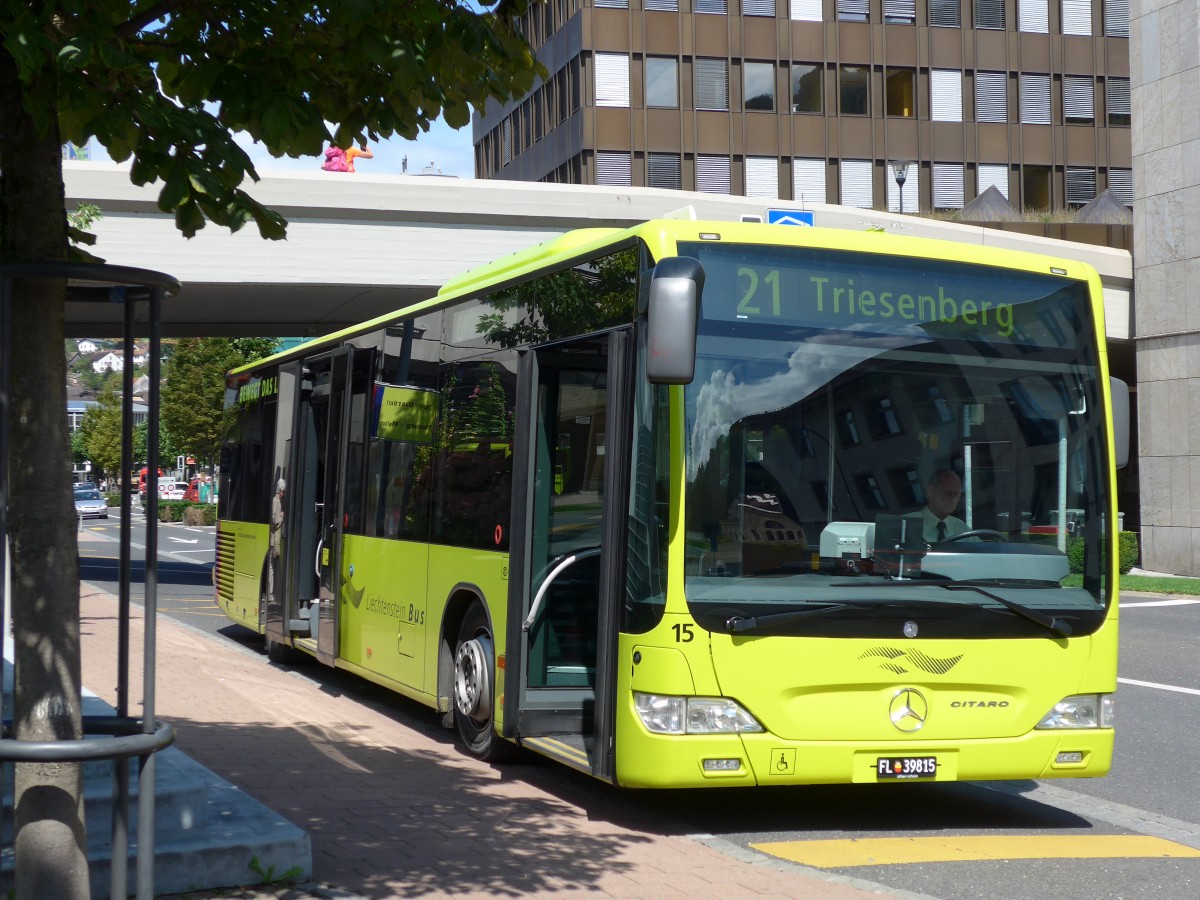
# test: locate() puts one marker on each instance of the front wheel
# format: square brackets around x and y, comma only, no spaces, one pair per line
[474,667]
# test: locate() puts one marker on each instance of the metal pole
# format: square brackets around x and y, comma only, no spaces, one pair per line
[145,856]
[120,809]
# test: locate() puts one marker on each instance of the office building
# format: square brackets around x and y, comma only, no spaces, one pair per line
[813,100]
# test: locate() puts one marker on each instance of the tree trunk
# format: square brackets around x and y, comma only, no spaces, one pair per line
[50,842]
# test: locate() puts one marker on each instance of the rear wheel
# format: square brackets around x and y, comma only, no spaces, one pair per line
[474,668]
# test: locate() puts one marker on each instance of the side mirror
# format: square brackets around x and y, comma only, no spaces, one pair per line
[1119,394]
[672,316]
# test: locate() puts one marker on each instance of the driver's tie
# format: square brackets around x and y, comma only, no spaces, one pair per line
[942,530]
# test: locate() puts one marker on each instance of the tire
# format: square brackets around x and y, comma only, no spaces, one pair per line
[474,687]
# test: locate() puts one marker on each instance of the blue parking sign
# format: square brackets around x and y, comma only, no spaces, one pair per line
[789,217]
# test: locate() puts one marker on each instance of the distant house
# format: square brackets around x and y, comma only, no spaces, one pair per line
[87,346]
[107,361]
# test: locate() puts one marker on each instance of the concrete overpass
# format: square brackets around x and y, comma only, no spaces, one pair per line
[362,245]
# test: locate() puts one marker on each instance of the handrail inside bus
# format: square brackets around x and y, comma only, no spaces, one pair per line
[541,594]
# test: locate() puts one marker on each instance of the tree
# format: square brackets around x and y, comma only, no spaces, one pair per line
[193,393]
[100,432]
[165,84]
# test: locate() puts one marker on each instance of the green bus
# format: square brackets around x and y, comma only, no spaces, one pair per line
[655,502]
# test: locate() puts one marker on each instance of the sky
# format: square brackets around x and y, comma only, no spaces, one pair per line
[441,150]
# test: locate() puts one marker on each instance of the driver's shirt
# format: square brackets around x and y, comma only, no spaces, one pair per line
[929,526]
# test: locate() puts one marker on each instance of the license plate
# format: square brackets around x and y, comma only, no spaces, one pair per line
[903,767]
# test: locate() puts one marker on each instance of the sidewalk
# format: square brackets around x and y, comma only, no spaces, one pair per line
[393,808]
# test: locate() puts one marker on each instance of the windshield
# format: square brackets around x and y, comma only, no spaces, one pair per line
[86,494]
[866,431]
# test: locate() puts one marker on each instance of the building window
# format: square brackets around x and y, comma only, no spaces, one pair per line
[853,10]
[1035,99]
[506,142]
[1116,101]
[856,183]
[805,10]
[612,79]
[912,191]
[1079,104]
[713,7]
[989,14]
[945,14]
[1035,187]
[991,97]
[759,85]
[1081,185]
[712,174]
[663,171]
[945,91]
[662,81]
[664,5]
[847,428]
[712,83]
[806,87]
[1076,16]
[868,489]
[900,12]
[882,418]
[612,4]
[1033,16]
[614,167]
[992,175]
[808,180]
[1116,18]
[1120,183]
[758,8]
[854,90]
[762,176]
[947,185]
[899,93]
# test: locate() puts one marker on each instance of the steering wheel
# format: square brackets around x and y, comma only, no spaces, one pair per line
[985,533]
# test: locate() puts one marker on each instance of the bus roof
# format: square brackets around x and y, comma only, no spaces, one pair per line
[581,242]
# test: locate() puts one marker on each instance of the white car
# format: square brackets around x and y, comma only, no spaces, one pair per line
[172,490]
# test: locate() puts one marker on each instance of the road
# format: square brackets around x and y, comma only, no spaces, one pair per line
[1135,833]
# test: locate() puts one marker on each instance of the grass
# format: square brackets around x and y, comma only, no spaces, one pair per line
[1155,585]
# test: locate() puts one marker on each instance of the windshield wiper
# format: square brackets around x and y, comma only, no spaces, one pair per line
[1050,623]
[740,625]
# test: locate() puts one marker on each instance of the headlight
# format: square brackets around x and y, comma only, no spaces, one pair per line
[1080,711]
[693,715]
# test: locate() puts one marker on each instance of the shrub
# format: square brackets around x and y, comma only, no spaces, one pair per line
[1127,552]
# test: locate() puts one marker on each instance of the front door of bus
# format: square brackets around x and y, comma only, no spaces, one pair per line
[316,500]
[565,580]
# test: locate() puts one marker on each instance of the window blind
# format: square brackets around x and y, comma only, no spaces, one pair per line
[945,88]
[663,171]
[1033,16]
[1079,104]
[1120,183]
[1035,99]
[991,97]
[992,175]
[614,167]
[856,183]
[808,180]
[612,79]
[1076,16]
[947,185]
[762,176]
[1081,185]
[712,174]
[712,83]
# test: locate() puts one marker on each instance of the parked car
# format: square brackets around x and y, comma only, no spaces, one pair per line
[90,504]
[193,491]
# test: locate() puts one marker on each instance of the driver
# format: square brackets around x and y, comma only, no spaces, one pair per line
[942,494]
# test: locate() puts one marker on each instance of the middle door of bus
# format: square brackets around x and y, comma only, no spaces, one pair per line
[568,549]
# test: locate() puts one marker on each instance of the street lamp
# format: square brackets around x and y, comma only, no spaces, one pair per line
[900,173]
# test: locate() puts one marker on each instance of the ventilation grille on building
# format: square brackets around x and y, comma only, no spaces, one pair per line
[1120,183]
[808,180]
[662,171]
[944,14]
[762,176]
[1076,16]
[614,167]
[1033,16]
[947,185]
[993,175]
[856,183]
[1035,99]
[712,174]
[712,84]
[1079,103]
[991,97]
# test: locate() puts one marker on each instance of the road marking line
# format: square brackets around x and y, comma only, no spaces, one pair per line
[1161,687]
[838,854]
[1180,601]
